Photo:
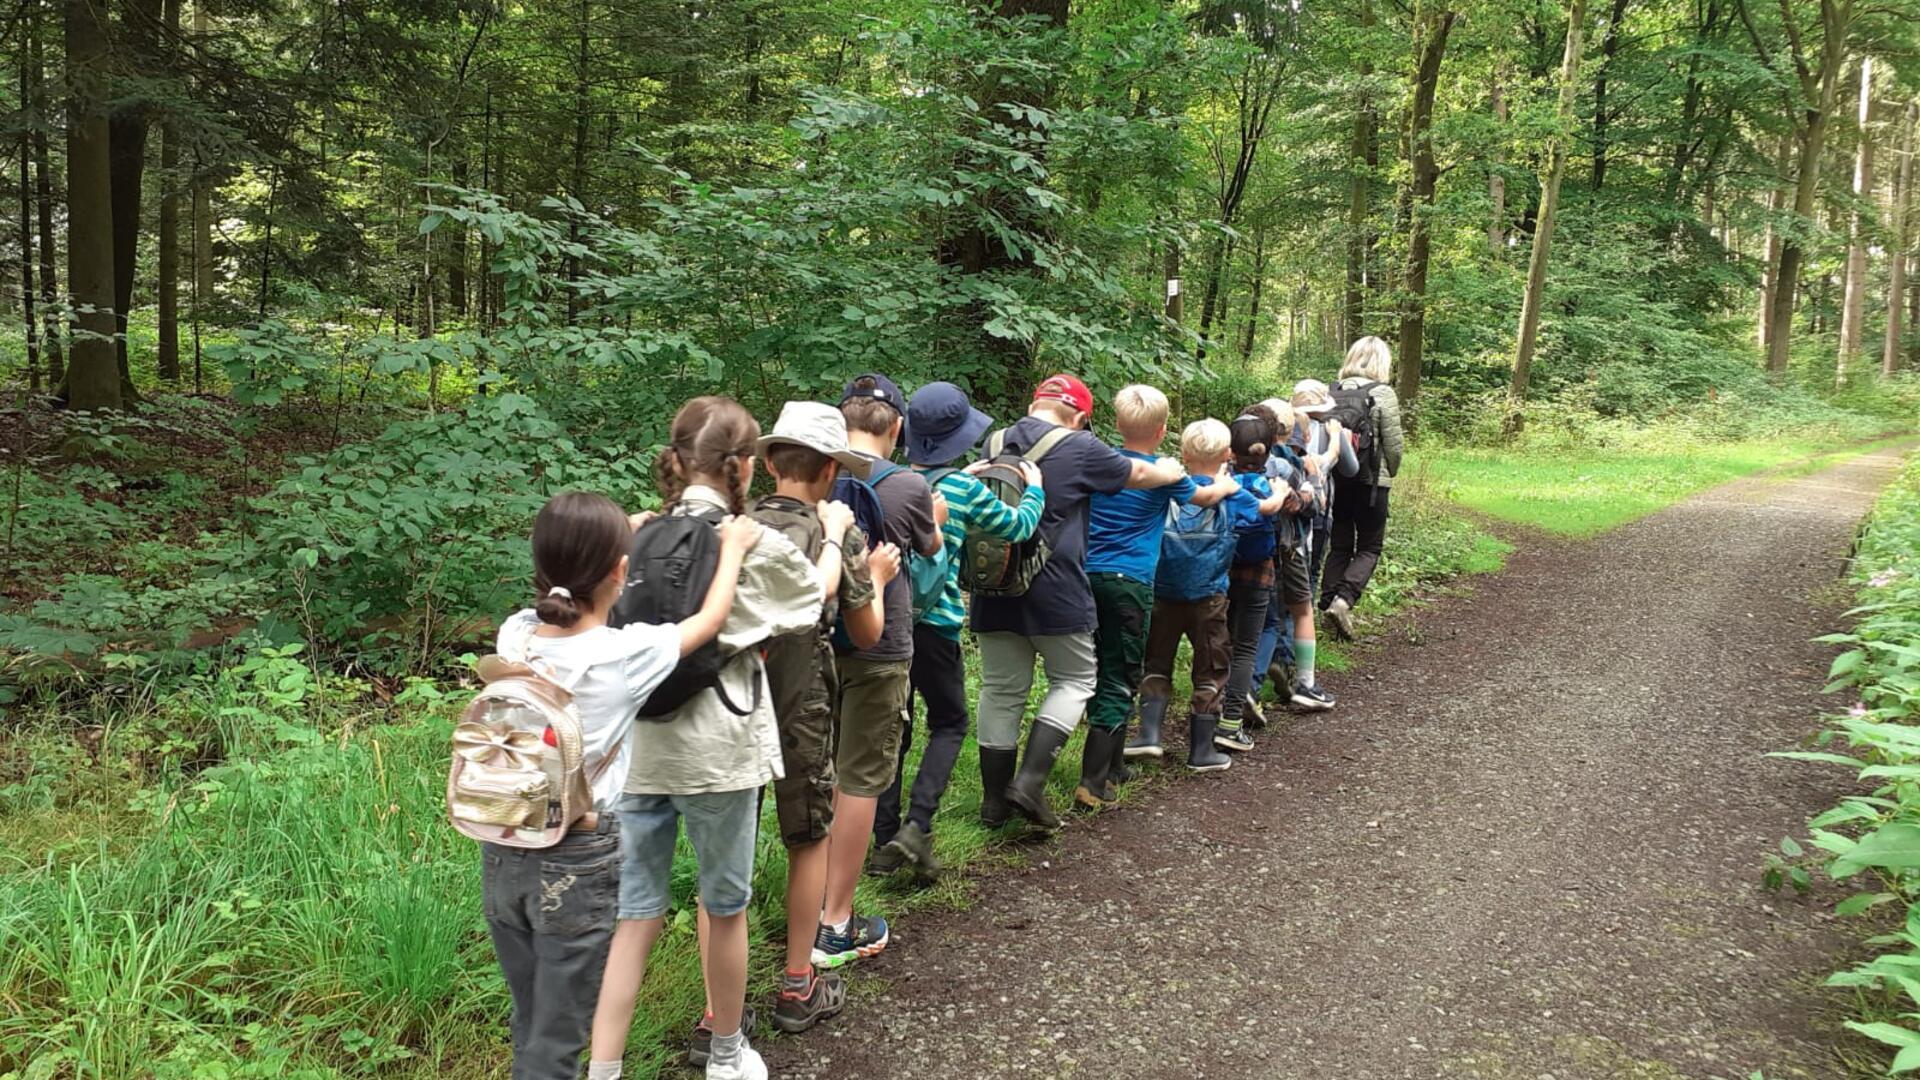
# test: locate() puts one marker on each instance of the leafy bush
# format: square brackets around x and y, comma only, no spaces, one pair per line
[1874,837]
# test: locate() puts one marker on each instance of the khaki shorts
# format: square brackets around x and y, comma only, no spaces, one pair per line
[873,706]
[803,798]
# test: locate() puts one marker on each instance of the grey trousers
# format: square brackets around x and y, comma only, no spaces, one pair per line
[1246,614]
[551,913]
[1006,679]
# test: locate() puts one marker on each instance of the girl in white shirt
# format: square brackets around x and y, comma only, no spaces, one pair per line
[551,910]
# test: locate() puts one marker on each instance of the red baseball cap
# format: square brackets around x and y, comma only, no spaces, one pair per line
[1067,390]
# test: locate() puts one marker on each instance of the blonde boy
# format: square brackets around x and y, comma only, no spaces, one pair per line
[1123,553]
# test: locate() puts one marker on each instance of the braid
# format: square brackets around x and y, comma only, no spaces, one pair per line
[736,501]
[708,438]
[669,475]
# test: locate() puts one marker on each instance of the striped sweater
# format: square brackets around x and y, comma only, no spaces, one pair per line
[971,506]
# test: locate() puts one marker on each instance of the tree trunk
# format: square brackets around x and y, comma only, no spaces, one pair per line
[1609,45]
[1819,89]
[1210,301]
[1543,225]
[1776,201]
[169,244]
[1176,303]
[1496,183]
[1900,210]
[581,126]
[1431,47]
[1363,156]
[51,320]
[93,379]
[127,158]
[457,263]
[1854,297]
[30,319]
[1253,301]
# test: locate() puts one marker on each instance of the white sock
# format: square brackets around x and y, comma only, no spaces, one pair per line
[603,1070]
[726,1048]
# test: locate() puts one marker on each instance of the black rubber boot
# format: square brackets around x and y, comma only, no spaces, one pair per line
[996,771]
[1027,794]
[1096,765]
[1117,771]
[1202,755]
[1153,710]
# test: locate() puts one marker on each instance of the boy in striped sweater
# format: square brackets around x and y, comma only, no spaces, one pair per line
[943,427]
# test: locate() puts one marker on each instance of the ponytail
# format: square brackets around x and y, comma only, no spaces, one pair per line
[578,538]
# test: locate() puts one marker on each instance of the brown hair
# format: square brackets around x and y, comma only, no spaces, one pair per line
[710,437]
[869,415]
[791,461]
[1253,435]
[578,538]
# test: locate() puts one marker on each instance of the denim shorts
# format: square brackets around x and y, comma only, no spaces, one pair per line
[721,825]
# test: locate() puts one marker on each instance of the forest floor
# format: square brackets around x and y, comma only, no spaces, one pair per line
[1528,844]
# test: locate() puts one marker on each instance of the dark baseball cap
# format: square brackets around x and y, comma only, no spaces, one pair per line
[875,387]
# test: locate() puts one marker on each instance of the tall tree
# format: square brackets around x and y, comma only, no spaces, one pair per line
[1900,249]
[52,323]
[1256,90]
[1363,159]
[1777,195]
[93,374]
[1431,28]
[1853,304]
[169,240]
[1536,290]
[1609,48]
[27,264]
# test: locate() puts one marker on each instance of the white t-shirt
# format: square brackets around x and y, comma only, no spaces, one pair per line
[611,671]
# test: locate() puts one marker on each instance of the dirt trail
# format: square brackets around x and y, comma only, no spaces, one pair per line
[1528,846]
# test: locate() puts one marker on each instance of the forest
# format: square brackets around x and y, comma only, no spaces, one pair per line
[306,307]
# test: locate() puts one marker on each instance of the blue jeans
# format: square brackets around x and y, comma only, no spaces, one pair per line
[721,825]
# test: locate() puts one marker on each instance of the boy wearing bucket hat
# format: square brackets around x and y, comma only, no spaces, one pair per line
[1053,619]
[943,428]
[804,453]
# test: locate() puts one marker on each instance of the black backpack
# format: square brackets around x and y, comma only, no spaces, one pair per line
[991,565]
[1353,407]
[669,569]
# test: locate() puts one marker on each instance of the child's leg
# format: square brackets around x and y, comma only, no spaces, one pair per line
[1212,655]
[1246,613]
[1305,648]
[803,807]
[648,827]
[873,701]
[722,827]
[806,893]
[1006,678]
[1294,592]
[1273,638]
[1119,640]
[940,678]
[1156,682]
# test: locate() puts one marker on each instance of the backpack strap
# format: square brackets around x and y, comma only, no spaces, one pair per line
[520,648]
[1046,443]
[996,444]
[934,476]
[880,471]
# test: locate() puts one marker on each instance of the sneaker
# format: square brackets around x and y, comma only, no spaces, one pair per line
[700,1050]
[794,1014]
[885,861]
[866,936]
[1341,613]
[913,844]
[747,1066]
[1312,698]
[1236,741]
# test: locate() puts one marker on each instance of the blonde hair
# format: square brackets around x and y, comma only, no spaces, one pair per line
[1304,398]
[1368,358]
[1140,411]
[1283,417]
[1204,439]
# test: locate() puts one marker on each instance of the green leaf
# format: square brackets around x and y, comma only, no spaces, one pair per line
[1890,1034]
[1859,902]
[1894,846]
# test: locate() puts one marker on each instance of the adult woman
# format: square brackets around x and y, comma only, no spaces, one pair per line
[1360,500]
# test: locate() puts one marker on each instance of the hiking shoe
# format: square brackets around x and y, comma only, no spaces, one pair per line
[1312,698]
[747,1066]
[1236,741]
[1341,613]
[914,845]
[866,936]
[700,1050]
[885,861]
[794,1013]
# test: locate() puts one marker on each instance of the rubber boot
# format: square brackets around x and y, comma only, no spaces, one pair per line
[1117,771]
[1202,755]
[996,771]
[1027,794]
[1096,763]
[1146,744]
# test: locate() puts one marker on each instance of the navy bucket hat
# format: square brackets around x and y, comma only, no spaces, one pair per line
[942,425]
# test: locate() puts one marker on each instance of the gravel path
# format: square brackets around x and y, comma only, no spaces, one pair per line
[1527,845]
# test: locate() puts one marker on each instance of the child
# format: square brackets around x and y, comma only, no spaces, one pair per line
[1190,600]
[1250,580]
[706,763]
[874,682]
[553,956]
[1054,618]
[1287,644]
[1123,547]
[804,454]
[943,427]
[1325,444]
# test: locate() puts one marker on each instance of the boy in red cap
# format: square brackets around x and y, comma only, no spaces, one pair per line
[1053,618]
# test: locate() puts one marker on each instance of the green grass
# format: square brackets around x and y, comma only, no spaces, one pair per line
[1586,490]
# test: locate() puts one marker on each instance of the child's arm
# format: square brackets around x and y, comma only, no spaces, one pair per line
[1153,474]
[984,512]
[1223,487]
[865,623]
[835,517]
[737,537]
